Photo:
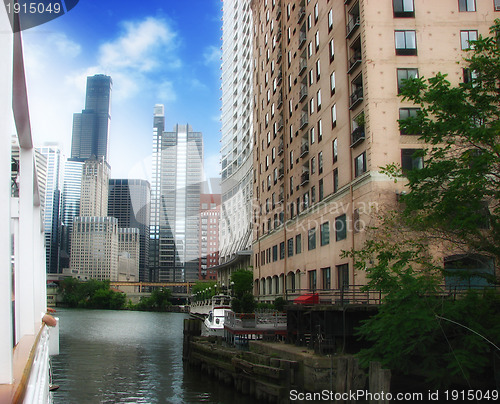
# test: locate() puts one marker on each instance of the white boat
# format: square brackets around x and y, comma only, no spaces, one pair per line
[29,336]
[213,325]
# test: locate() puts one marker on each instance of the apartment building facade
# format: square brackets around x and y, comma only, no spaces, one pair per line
[326,80]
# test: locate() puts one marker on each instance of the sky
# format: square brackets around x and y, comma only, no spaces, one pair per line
[156,52]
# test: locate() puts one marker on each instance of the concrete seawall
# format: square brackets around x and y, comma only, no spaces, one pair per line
[271,370]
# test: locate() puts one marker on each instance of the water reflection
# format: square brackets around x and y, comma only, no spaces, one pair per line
[128,357]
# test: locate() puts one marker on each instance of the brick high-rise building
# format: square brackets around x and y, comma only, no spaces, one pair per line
[209,235]
[326,108]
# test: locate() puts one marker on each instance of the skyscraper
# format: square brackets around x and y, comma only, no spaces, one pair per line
[177,175]
[129,201]
[326,87]
[237,132]
[91,126]
[52,210]
[72,189]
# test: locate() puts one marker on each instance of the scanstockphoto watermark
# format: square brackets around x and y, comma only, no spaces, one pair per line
[366,396]
[25,14]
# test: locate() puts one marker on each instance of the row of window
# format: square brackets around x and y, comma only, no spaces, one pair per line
[406,8]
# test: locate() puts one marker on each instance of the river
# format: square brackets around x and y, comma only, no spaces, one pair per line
[129,357]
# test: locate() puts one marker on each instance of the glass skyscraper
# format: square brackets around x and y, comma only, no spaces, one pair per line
[129,201]
[175,201]
[91,126]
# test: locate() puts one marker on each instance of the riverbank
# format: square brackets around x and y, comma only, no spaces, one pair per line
[272,371]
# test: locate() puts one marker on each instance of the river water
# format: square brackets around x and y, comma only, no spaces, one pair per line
[129,357]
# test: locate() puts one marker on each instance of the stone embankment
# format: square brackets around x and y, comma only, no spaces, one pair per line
[273,371]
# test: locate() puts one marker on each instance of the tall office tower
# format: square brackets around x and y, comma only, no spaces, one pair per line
[91,126]
[237,132]
[52,212]
[128,254]
[326,83]
[95,184]
[154,238]
[209,234]
[177,174]
[95,248]
[130,202]
[72,189]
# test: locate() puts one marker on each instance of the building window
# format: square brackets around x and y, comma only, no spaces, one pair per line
[325,233]
[343,276]
[313,165]
[340,228]
[318,98]
[405,74]
[335,152]
[320,131]
[360,164]
[405,113]
[321,190]
[309,50]
[313,195]
[311,106]
[320,163]
[469,75]
[312,138]
[334,115]
[298,244]
[312,280]
[466,5]
[403,8]
[466,37]
[330,20]
[282,250]
[332,50]
[290,247]
[291,185]
[311,239]
[318,69]
[316,40]
[275,253]
[497,5]
[406,42]
[332,83]
[316,12]
[311,77]
[335,180]
[410,161]
[326,278]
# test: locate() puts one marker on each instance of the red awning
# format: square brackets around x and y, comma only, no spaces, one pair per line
[308,298]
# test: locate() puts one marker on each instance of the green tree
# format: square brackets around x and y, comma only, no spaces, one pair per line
[453,203]
[242,287]
[457,192]
[243,282]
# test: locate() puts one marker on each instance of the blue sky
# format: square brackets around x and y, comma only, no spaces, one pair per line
[157,52]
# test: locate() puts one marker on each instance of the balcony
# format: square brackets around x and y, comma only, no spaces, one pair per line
[356,97]
[281,174]
[304,120]
[357,136]
[280,123]
[302,66]
[303,92]
[279,56]
[304,178]
[302,39]
[354,61]
[278,35]
[278,12]
[279,79]
[304,149]
[280,101]
[352,25]
[302,14]
[281,148]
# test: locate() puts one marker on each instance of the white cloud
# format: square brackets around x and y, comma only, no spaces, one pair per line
[165,92]
[198,85]
[141,47]
[212,54]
